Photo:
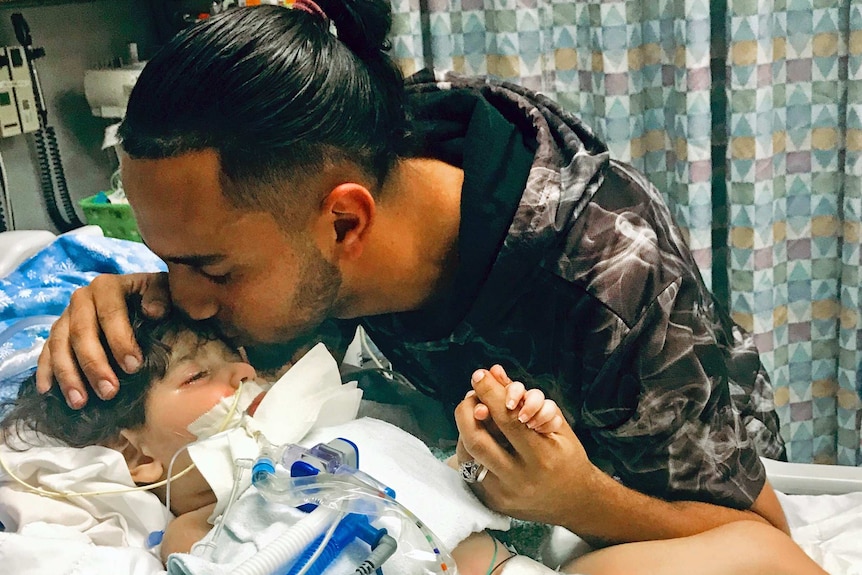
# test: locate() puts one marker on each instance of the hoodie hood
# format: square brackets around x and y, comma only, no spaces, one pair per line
[567,167]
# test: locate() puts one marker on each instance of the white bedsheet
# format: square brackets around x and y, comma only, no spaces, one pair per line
[828,528]
[94,535]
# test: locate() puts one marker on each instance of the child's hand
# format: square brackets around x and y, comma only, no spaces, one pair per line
[536,412]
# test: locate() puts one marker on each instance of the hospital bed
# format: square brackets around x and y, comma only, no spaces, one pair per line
[823,503]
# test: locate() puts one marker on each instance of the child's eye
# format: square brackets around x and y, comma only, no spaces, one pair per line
[197,376]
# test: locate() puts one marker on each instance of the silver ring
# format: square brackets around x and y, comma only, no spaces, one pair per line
[472,472]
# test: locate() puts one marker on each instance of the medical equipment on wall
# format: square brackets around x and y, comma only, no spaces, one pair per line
[17,113]
[30,100]
[108,89]
[17,97]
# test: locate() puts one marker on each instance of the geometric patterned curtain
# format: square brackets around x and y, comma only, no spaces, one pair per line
[637,72]
[794,197]
[746,115]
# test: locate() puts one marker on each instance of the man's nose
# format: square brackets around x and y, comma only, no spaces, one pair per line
[192,294]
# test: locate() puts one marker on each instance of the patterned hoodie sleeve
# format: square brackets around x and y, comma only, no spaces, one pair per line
[679,404]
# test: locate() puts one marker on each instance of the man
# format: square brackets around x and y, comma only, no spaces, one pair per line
[285,179]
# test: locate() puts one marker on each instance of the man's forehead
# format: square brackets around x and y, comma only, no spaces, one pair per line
[182,183]
[181,213]
[201,161]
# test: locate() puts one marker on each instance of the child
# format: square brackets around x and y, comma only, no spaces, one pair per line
[187,372]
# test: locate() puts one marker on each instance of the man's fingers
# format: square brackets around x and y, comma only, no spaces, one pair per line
[108,311]
[74,355]
[480,412]
[44,379]
[75,344]
[156,299]
[477,441]
[57,361]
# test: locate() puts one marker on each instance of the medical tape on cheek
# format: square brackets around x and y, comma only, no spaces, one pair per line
[227,413]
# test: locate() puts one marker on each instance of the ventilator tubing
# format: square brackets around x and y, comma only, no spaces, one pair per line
[290,544]
[346,494]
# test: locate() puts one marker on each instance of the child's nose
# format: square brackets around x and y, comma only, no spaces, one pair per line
[242,371]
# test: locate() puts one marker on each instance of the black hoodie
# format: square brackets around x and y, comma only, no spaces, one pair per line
[574,277]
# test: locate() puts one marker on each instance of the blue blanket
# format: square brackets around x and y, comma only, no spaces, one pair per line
[35,293]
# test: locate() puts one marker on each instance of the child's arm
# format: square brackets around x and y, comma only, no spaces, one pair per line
[185,531]
[480,554]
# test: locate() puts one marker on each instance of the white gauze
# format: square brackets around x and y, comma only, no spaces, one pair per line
[224,414]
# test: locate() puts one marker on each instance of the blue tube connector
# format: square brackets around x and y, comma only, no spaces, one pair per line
[353,526]
[263,467]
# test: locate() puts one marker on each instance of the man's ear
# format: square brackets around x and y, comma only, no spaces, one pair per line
[143,468]
[347,213]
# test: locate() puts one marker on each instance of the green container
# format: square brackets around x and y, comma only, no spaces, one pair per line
[116,220]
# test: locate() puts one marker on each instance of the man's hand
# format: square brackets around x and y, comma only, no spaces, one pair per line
[532,476]
[548,478]
[74,352]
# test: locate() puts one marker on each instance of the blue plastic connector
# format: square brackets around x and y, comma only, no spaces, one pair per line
[353,526]
[155,538]
[263,467]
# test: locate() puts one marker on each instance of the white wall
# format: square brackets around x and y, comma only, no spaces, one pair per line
[76,37]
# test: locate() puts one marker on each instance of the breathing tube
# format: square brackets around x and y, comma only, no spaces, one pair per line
[16,367]
[22,324]
[342,488]
[322,552]
[313,543]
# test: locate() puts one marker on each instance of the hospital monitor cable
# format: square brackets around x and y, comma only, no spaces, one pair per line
[47,149]
[7,216]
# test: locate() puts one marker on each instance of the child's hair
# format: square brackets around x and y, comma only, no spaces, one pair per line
[100,421]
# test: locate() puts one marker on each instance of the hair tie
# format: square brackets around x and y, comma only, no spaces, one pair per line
[309,6]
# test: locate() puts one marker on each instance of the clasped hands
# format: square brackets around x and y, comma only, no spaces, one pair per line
[537,469]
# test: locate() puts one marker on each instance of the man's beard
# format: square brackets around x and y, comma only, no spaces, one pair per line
[316,294]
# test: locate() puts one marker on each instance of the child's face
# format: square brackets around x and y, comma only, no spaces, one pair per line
[201,373]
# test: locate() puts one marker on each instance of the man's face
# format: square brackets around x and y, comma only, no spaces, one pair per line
[232,266]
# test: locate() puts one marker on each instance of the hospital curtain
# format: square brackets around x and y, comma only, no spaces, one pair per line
[746,115]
